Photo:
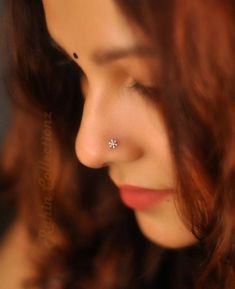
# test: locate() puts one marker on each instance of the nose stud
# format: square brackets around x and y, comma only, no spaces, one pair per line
[113,143]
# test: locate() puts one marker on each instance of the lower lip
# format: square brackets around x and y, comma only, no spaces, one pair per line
[139,198]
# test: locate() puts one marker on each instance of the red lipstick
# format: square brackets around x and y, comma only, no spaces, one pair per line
[142,198]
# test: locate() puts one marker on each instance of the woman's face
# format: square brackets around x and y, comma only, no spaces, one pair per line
[113,58]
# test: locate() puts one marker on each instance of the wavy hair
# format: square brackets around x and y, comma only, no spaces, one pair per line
[87,238]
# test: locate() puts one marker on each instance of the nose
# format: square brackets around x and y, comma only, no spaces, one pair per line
[93,136]
[101,139]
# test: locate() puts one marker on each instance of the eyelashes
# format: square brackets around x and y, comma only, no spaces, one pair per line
[144,90]
[135,86]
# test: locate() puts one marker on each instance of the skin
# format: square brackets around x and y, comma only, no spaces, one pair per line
[112,109]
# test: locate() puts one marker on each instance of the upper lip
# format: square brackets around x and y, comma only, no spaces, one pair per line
[126,186]
[129,186]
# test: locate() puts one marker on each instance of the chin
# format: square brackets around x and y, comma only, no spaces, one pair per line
[166,235]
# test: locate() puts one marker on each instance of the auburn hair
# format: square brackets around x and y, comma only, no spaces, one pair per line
[85,237]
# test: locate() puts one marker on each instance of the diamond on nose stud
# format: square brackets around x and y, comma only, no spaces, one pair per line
[113,143]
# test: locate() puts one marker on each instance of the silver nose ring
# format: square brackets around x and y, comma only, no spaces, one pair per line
[113,143]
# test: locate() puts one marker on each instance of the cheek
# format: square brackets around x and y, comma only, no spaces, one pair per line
[157,144]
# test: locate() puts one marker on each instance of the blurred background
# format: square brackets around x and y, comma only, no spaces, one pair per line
[4,107]
[6,209]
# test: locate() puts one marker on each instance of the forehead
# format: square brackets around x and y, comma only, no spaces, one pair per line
[80,25]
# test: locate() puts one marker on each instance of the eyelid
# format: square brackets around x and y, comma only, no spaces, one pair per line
[144,89]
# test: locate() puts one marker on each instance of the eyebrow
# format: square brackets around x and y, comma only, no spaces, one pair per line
[102,57]
[107,56]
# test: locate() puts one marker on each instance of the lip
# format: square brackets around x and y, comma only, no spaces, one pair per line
[142,198]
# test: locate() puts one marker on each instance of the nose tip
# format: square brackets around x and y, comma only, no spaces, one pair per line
[90,154]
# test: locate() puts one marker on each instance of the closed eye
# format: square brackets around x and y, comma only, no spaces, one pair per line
[144,89]
[64,58]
